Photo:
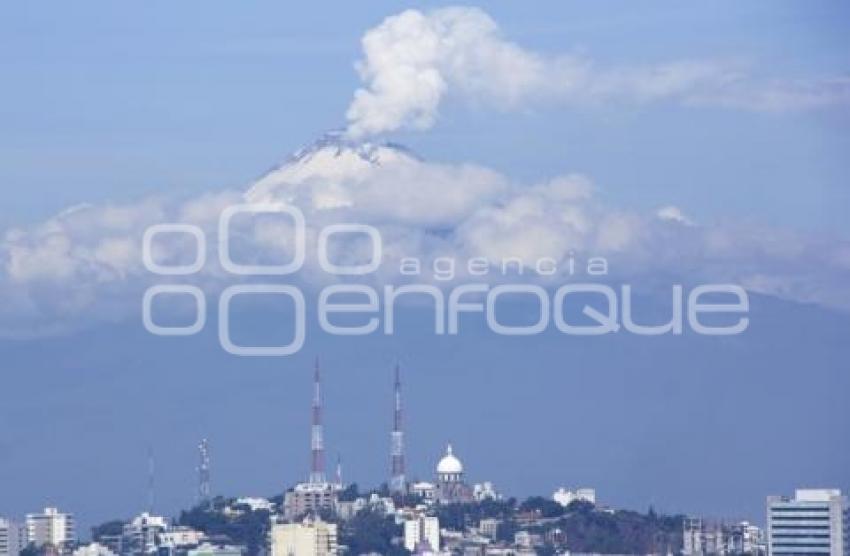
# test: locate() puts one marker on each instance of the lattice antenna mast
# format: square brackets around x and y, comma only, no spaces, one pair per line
[151,470]
[339,483]
[397,478]
[204,488]
[317,443]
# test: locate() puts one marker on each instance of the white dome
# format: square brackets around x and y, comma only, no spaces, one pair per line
[449,465]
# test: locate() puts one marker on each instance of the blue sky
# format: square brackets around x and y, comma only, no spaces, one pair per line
[114,103]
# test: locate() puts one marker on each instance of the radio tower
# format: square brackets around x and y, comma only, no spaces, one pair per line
[204,490]
[150,480]
[317,446]
[339,472]
[397,481]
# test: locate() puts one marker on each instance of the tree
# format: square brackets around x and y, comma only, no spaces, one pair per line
[249,528]
[543,506]
[371,532]
[30,550]
[110,528]
[349,494]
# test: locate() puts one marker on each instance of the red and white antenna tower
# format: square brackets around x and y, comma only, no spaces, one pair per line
[317,443]
[397,479]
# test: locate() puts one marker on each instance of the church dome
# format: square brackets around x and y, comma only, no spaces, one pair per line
[449,465]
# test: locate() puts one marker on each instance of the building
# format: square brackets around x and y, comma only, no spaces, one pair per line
[256,504]
[485,491]
[112,542]
[51,527]
[705,537]
[421,530]
[309,538]
[745,538]
[426,491]
[812,522]
[349,508]
[140,536]
[309,498]
[451,487]
[692,536]
[527,540]
[566,497]
[208,549]
[93,549]
[180,537]
[489,527]
[13,537]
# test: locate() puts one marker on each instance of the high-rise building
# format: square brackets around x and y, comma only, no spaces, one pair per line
[420,530]
[312,537]
[13,537]
[810,523]
[398,482]
[51,527]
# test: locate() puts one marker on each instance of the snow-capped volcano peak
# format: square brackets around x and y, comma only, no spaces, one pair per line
[331,160]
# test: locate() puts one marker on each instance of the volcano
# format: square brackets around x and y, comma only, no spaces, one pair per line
[332,159]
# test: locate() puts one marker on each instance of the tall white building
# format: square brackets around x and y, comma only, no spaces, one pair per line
[50,527]
[13,537]
[811,523]
[420,530]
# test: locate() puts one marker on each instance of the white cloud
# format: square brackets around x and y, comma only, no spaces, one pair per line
[84,265]
[413,60]
[672,213]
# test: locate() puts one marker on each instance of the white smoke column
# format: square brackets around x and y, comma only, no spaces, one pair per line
[412,59]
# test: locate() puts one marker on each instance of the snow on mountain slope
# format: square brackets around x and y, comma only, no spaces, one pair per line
[331,159]
[380,181]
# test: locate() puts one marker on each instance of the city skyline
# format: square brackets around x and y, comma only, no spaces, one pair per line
[529,216]
[317,476]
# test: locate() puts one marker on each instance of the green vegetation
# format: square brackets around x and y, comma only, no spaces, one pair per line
[544,507]
[371,532]
[249,528]
[618,532]
[587,529]
[349,494]
[460,516]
